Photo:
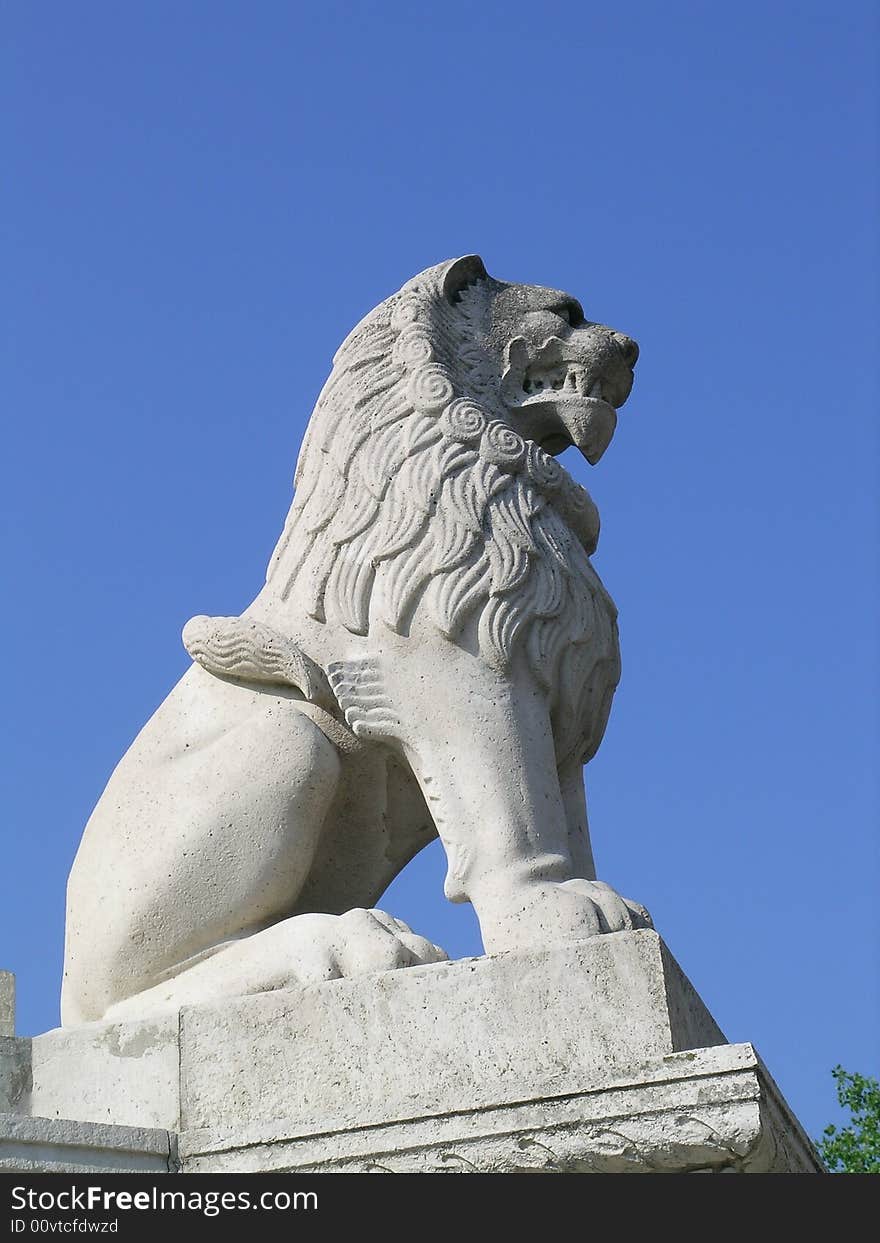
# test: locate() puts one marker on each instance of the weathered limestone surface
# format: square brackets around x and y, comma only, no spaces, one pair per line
[7,1003]
[60,1146]
[125,1073]
[442,1038]
[593,1056]
[713,1110]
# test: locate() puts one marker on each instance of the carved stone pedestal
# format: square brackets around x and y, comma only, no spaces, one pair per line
[591,1057]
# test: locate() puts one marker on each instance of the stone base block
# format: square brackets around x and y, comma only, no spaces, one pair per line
[7,1003]
[706,1111]
[596,1055]
[59,1146]
[126,1074]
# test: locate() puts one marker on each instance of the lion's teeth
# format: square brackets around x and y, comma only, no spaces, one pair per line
[573,380]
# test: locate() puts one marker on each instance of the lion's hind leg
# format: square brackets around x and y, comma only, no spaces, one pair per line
[205,834]
[305,949]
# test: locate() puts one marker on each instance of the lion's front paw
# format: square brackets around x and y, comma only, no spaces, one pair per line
[547,913]
[603,909]
[366,941]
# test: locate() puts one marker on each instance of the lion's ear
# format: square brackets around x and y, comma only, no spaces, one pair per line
[460,273]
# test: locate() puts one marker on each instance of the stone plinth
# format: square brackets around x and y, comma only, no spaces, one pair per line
[711,1110]
[60,1146]
[595,1056]
[7,1003]
[442,1038]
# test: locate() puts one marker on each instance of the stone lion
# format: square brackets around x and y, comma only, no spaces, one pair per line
[432,654]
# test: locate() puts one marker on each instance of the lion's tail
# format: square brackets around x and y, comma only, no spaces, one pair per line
[237,647]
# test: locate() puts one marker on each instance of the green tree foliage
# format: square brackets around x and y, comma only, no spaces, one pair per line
[854,1149]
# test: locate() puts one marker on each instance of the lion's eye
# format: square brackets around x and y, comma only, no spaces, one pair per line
[570,311]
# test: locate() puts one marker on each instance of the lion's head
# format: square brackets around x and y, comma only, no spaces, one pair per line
[427,478]
[557,379]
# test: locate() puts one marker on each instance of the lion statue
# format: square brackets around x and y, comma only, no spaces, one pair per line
[432,654]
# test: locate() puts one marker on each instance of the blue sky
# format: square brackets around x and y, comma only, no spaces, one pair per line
[203,198]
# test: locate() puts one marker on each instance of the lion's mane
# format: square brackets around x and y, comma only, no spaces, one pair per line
[413,492]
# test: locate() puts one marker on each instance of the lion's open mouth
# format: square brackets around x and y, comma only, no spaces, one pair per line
[565,378]
[563,396]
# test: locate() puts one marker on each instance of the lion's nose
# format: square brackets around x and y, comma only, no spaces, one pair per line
[628,348]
